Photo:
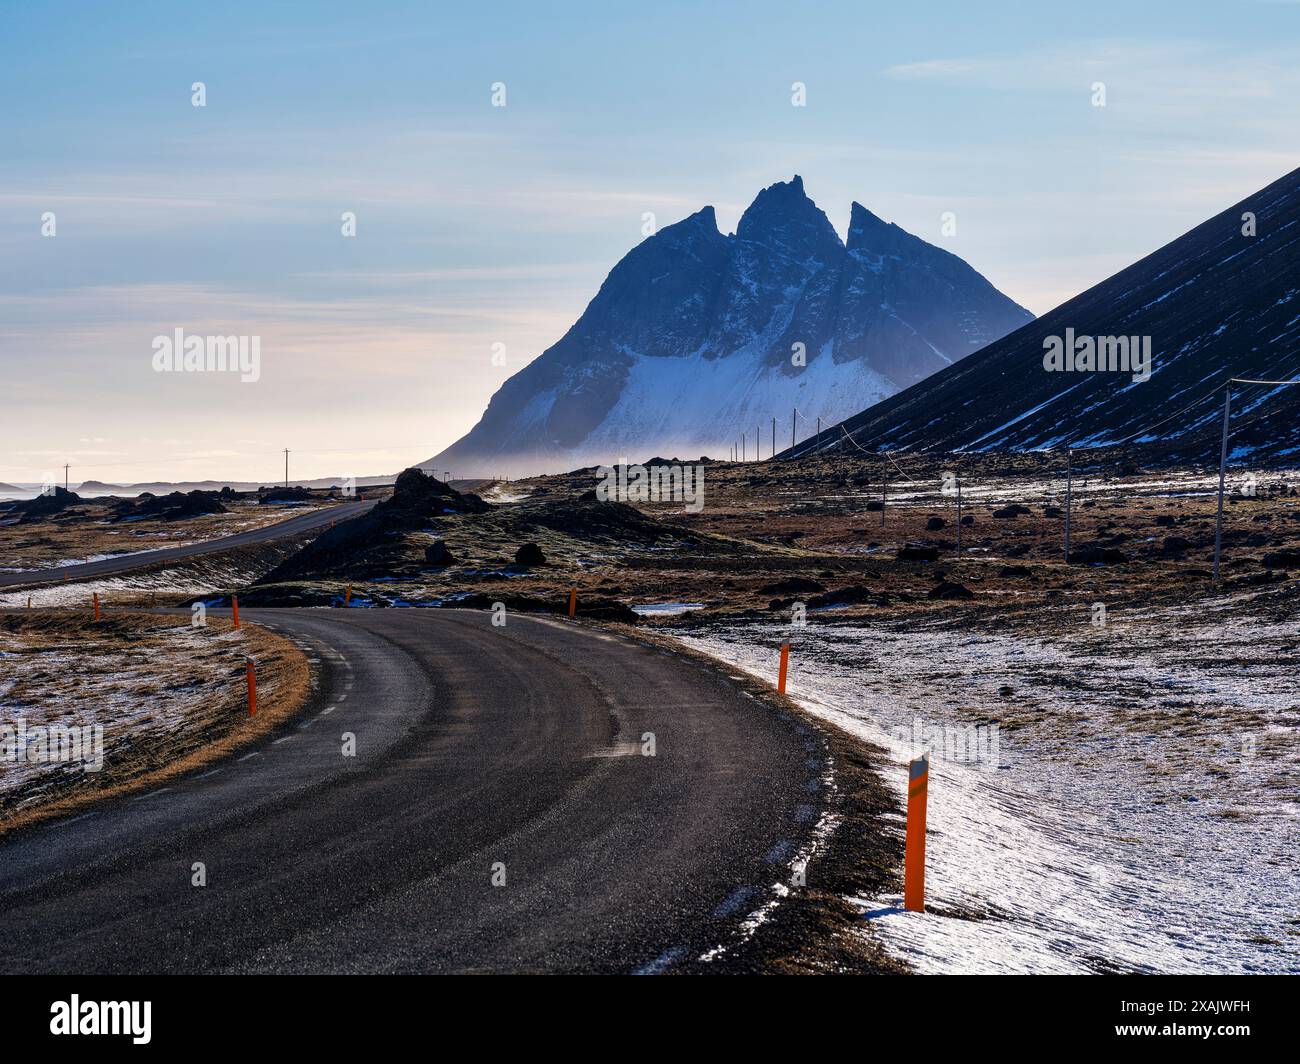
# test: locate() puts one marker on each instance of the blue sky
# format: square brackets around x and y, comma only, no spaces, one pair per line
[480,225]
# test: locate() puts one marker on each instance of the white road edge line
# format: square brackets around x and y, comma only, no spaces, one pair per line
[65,823]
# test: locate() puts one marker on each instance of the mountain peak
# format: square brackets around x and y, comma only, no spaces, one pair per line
[705,216]
[785,192]
[782,214]
[863,225]
[703,222]
[689,339]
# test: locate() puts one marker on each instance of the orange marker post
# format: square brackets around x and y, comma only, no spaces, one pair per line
[573,601]
[918,783]
[347,595]
[96,596]
[234,610]
[785,667]
[251,673]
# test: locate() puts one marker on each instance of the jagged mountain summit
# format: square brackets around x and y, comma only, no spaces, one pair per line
[1221,301]
[692,339]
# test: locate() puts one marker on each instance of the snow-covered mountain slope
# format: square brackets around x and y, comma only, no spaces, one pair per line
[692,340]
[1221,301]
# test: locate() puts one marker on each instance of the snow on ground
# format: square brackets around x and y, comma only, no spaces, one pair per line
[1137,811]
[198,578]
[160,684]
[904,489]
[666,609]
[502,493]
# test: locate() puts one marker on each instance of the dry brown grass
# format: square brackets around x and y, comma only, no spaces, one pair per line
[191,720]
[86,531]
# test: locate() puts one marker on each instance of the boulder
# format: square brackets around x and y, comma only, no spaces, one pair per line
[530,554]
[852,595]
[950,590]
[1094,554]
[792,585]
[437,554]
[1011,512]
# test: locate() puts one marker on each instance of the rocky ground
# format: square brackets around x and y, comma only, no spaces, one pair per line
[770,535]
[1141,807]
[65,528]
[1141,810]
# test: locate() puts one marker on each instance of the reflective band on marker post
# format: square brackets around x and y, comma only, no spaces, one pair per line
[918,785]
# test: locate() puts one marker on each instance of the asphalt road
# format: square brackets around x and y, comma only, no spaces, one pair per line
[476,748]
[291,527]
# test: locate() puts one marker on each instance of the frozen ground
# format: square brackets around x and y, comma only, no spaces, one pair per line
[201,577]
[46,545]
[160,689]
[1138,811]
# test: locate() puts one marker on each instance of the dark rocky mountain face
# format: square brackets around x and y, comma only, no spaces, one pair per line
[1221,301]
[689,341]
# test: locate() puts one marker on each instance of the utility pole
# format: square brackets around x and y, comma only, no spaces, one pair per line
[758,442]
[65,478]
[774,437]
[1223,469]
[793,414]
[819,434]
[1069,498]
[744,446]
[286,467]
[958,513]
[884,487]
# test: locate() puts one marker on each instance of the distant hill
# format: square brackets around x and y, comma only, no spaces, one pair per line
[158,487]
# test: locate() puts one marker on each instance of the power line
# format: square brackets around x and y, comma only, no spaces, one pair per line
[898,467]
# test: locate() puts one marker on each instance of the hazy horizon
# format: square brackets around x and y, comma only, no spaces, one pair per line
[479,225]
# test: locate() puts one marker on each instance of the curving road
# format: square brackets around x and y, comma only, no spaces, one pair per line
[107,566]
[475,745]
